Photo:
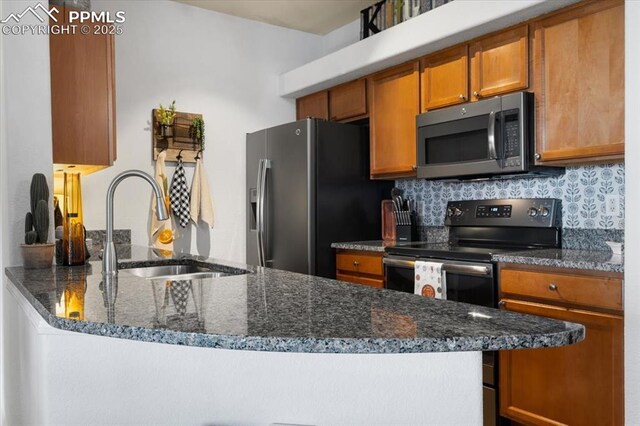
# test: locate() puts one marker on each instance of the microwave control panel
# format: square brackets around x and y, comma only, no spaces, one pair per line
[511,139]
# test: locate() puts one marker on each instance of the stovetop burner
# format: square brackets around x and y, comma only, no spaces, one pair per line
[478,229]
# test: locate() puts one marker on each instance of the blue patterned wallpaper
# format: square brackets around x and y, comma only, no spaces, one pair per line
[581,189]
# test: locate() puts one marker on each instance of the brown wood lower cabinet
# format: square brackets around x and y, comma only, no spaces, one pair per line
[360,267]
[580,384]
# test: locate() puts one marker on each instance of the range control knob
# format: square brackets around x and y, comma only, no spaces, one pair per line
[449,212]
[458,212]
[544,212]
[533,212]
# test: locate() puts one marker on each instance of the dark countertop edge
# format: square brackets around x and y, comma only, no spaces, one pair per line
[305,345]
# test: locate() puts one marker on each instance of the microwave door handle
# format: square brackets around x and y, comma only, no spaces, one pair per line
[491,136]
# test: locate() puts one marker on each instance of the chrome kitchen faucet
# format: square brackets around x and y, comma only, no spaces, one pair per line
[109,258]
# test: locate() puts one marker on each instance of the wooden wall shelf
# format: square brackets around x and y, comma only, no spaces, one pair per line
[180,141]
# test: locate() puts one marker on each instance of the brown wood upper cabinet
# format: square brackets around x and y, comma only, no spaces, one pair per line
[82,97]
[345,102]
[499,63]
[578,78]
[394,103]
[315,105]
[444,78]
[487,67]
[348,101]
[579,384]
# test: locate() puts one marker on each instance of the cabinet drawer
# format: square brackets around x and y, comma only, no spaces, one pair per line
[599,292]
[360,262]
[371,282]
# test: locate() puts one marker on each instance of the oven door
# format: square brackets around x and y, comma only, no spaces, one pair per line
[468,282]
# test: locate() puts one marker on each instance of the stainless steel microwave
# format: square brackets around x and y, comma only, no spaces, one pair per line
[489,138]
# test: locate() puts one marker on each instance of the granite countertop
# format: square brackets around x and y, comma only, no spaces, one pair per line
[272,310]
[591,260]
[374,246]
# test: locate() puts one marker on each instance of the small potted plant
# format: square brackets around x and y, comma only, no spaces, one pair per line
[36,251]
[165,117]
[197,131]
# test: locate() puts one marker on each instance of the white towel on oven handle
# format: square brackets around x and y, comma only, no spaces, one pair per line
[430,280]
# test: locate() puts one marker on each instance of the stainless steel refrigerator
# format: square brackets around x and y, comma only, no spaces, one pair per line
[308,186]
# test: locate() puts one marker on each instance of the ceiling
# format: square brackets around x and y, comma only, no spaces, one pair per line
[312,16]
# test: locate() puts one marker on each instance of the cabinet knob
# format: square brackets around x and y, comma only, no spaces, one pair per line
[553,287]
[462,97]
[356,263]
[476,94]
[414,168]
[537,156]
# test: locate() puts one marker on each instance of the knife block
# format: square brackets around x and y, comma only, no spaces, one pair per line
[388,221]
[408,233]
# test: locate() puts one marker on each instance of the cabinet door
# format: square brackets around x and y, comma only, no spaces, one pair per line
[315,105]
[348,101]
[82,98]
[579,84]
[395,102]
[580,384]
[500,63]
[444,78]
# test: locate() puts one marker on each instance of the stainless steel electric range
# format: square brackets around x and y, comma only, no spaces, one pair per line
[477,230]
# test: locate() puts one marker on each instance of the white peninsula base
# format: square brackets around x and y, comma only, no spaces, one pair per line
[62,377]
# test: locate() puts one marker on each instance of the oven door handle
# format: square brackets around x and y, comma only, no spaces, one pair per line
[456,268]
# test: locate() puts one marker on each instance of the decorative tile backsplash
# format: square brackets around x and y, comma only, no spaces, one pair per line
[581,189]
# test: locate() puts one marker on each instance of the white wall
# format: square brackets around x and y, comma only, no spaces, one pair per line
[3,212]
[25,131]
[341,37]
[28,122]
[224,67]
[632,225]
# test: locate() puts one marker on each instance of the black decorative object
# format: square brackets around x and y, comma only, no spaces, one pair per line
[387,13]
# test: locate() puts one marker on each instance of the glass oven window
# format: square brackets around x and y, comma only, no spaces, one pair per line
[471,289]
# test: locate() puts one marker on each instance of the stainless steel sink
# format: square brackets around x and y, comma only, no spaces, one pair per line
[174,272]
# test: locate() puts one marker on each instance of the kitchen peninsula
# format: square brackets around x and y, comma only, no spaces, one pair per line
[255,346]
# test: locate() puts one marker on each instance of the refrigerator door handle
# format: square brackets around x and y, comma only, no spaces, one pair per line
[259,224]
[263,166]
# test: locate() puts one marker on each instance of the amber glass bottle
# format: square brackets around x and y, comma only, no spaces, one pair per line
[73,234]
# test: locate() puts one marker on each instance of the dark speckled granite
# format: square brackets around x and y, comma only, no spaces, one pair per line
[374,246]
[590,239]
[560,258]
[273,310]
